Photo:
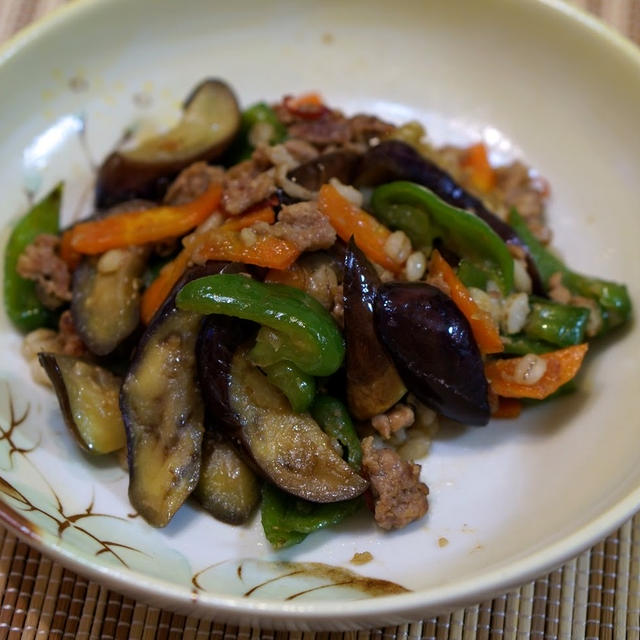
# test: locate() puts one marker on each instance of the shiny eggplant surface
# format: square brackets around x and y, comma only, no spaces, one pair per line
[432,346]
[88,398]
[228,488]
[393,160]
[210,121]
[342,165]
[373,384]
[163,410]
[106,297]
[289,448]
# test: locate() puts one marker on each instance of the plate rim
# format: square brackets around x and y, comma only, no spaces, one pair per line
[367,612]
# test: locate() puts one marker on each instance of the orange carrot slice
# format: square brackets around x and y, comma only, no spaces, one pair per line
[561,366]
[349,220]
[484,330]
[476,161]
[142,227]
[156,293]
[508,408]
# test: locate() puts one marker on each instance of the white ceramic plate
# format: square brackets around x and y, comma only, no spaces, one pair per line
[534,79]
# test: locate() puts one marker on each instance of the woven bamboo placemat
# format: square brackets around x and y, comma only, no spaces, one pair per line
[596,595]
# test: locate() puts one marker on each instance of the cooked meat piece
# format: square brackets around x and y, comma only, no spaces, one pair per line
[398,417]
[246,184]
[399,496]
[70,343]
[192,182]
[301,224]
[65,341]
[41,262]
[331,128]
[364,127]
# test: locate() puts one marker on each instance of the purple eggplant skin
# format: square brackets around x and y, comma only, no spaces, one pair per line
[373,384]
[396,160]
[342,165]
[287,448]
[210,122]
[162,408]
[433,348]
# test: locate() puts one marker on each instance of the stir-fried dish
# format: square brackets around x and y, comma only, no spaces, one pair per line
[278,306]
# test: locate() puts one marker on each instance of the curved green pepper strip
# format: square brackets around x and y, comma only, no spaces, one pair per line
[300,329]
[612,297]
[520,345]
[334,420]
[20,300]
[299,387]
[288,520]
[472,276]
[424,217]
[560,324]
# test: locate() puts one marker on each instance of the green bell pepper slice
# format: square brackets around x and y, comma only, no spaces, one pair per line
[334,419]
[299,387]
[472,276]
[562,325]
[21,303]
[520,345]
[296,327]
[424,217]
[288,520]
[612,297]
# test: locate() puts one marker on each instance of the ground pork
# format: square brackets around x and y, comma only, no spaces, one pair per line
[246,184]
[42,263]
[303,225]
[331,128]
[398,417]
[192,182]
[64,341]
[364,127]
[399,496]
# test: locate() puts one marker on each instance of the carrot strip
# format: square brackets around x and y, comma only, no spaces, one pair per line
[156,293]
[508,408]
[67,253]
[561,366]
[308,105]
[236,223]
[476,161]
[266,251]
[349,220]
[142,227]
[294,276]
[484,330]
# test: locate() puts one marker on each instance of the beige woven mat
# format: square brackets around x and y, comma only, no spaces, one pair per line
[596,595]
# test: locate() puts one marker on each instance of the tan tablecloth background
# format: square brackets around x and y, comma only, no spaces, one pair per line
[596,595]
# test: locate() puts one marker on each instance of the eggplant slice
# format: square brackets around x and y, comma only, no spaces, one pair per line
[288,448]
[88,397]
[373,383]
[106,297]
[433,348]
[163,411]
[210,121]
[228,488]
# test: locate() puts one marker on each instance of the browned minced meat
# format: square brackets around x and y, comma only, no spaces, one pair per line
[41,262]
[398,417]
[71,343]
[365,127]
[246,184]
[399,496]
[332,128]
[192,182]
[515,188]
[303,225]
